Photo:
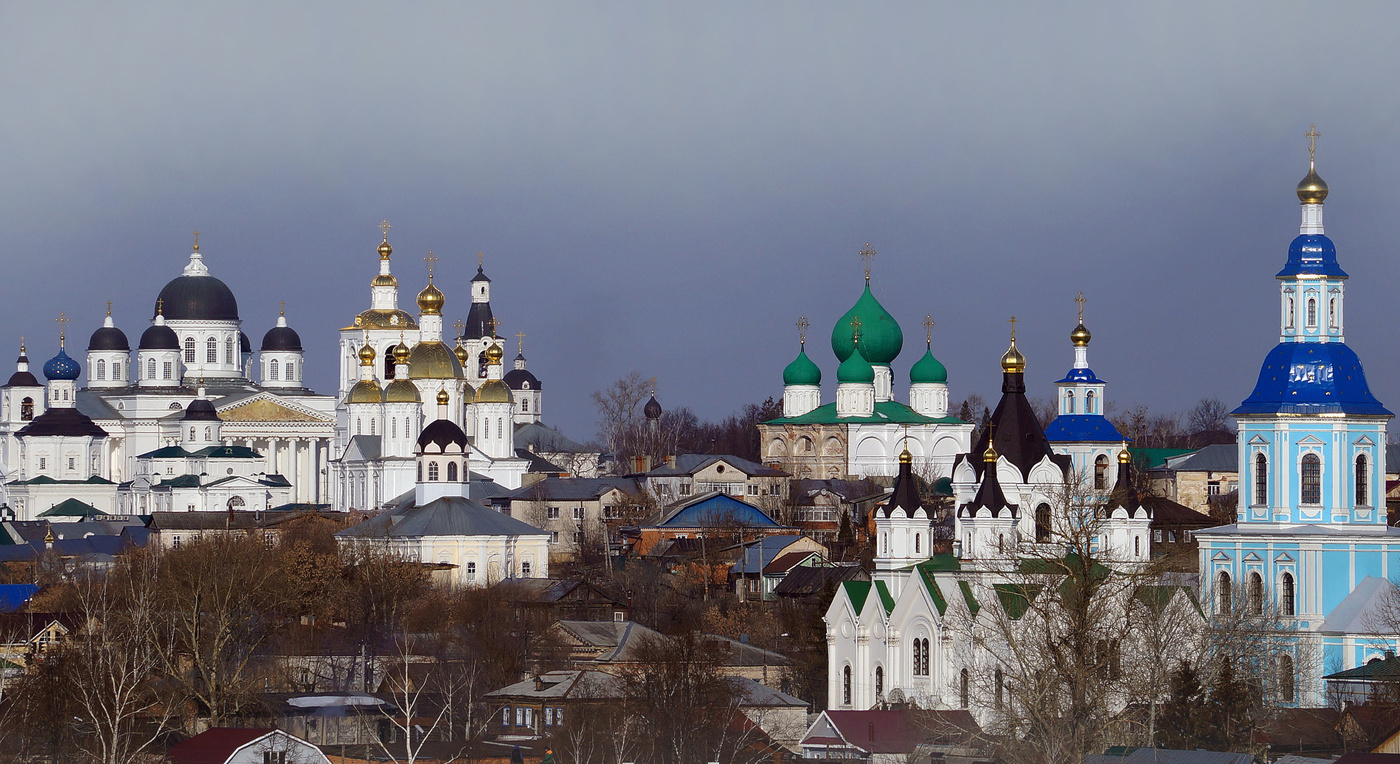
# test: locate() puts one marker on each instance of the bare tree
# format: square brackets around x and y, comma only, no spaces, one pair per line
[1208,415]
[417,718]
[617,408]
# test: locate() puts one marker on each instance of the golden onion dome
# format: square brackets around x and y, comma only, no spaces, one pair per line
[402,391]
[462,355]
[365,391]
[401,353]
[430,300]
[385,250]
[443,397]
[1013,362]
[905,457]
[384,319]
[1080,336]
[493,391]
[433,360]
[385,280]
[990,455]
[366,355]
[1124,457]
[1312,189]
[494,354]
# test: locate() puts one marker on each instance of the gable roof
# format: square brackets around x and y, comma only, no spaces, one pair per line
[689,464]
[811,580]
[446,516]
[1217,458]
[788,560]
[713,509]
[1360,610]
[70,508]
[758,555]
[573,489]
[894,732]
[856,592]
[215,745]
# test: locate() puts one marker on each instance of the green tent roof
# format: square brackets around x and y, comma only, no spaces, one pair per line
[886,412]
[857,591]
[70,508]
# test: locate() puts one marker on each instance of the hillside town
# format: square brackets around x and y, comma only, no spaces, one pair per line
[205,560]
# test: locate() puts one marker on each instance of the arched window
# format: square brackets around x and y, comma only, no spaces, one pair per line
[211,350]
[420,472]
[918,656]
[1137,546]
[451,472]
[998,679]
[393,427]
[208,433]
[99,369]
[189,350]
[389,362]
[1332,311]
[357,427]
[1069,401]
[1042,523]
[150,368]
[963,689]
[916,543]
[168,370]
[846,686]
[1261,480]
[525,405]
[1312,479]
[26,409]
[1001,542]
[1288,313]
[1287,604]
[1100,472]
[1255,593]
[272,369]
[117,370]
[291,371]
[879,682]
[432,472]
[1362,481]
[1285,678]
[925,664]
[228,352]
[1312,312]
[1089,402]
[191,433]
[373,426]
[1223,594]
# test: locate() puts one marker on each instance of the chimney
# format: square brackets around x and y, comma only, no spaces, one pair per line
[671,460]
[539,683]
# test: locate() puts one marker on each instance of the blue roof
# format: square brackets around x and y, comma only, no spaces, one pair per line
[758,554]
[1085,376]
[717,510]
[1311,378]
[13,596]
[1312,255]
[61,367]
[1091,428]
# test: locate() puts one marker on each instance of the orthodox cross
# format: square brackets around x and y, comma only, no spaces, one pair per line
[461,326]
[160,306]
[802,330]
[431,260]
[865,255]
[196,240]
[1312,135]
[520,343]
[855,329]
[384,228]
[109,307]
[282,307]
[478,259]
[928,329]
[62,320]
[653,387]
[1012,321]
[1080,299]
[494,323]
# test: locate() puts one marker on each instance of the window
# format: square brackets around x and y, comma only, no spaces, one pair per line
[505,716]
[918,655]
[1286,600]
[151,368]
[916,543]
[228,351]
[451,472]
[471,571]
[1261,480]
[1222,593]
[1137,546]
[1312,312]
[1312,479]
[578,538]
[1332,312]
[1042,523]
[1089,402]
[191,433]
[685,489]
[174,542]
[393,427]
[291,371]
[1288,313]
[879,682]
[274,757]
[554,537]
[752,489]
[1157,535]
[99,370]
[1213,488]
[1100,472]
[117,370]
[43,462]
[552,513]
[189,350]
[272,369]
[168,370]
[998,681]
[71,463]
[432,472]
[846,686]
[558,715]
[548,716]
[358,424]
[525,569]
[525,405]
[211,350]
[1069,401]
[1362,481]
[578,513]
[26,409]
[1255,593]
[1285,678]
[963,689]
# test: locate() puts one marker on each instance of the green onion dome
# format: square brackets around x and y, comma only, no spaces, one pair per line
[880,336]
[928,370]
[802,371]
[855,369]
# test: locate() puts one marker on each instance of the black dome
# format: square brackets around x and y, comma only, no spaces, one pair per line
[653,409]
[22,379]
[282,338]
[200,410]
[159,338]
[244,346]
[198,298]
[480,275]
[516,379]
[108,338]
[442,433]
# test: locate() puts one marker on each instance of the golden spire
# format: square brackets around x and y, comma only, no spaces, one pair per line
[1123,456]
[48,535]
[904,456]
[160,306]
[802,325]
[865,255]
[384,249]
[1013,362]
[430,300]
[1080,336]
[62,320]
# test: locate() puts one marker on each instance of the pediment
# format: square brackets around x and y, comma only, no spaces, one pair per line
[1283,557]
[1311,440]
[1253,557]
[268,409]
[1220,557]
[1258,440]
[1364,440]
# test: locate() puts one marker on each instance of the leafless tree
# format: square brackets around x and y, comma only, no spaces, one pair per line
[1208,415]
[417,718]
[618,406]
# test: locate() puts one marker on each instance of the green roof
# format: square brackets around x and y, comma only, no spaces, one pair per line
[885,598]
[46,480]
[1016,598]
[886,412]
[1155,458]
[941,563]
[855,369]
[927,370]
[880,336]
[1383,669]
[167,452]
[857,591]
[182,481]
[971,601]
[802,371]
[934,593]
[228,452]
[70,508]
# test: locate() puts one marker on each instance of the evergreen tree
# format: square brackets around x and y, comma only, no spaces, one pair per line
[1185,718]
[1230,710]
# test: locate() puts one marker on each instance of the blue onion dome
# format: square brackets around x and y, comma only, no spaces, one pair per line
[61,367]
[159,337]
[802,371]
[855,369]
[881,339]
[928,370]
[653,409]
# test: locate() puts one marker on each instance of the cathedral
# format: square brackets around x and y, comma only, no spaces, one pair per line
[394,367]
[184,422]
[862,433]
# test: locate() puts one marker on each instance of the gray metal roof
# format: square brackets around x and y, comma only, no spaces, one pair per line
[545,439]
[689,464]
[447,516]
[1165,756]
[1218,458]
[572,489]
[1361,612]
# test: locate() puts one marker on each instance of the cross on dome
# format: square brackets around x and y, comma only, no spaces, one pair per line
[928,329]
[384,228]
[802,325]
[109,307]
[520,343]
[196,239]
[431,260]
[62,320]
[494,323]
[855,330]
[1013,321]
[865,255]
[1080,299]
[1312,135]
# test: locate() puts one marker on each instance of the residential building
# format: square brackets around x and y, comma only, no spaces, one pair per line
[763,564]
[893,736]
[576,512]
[228,745]
[689,475]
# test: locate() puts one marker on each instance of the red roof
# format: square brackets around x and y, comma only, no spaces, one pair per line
[902,731]
[787,561]
[214,745]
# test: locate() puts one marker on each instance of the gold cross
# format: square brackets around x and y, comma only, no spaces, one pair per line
[494,323]
[855,329]
[460,326]
[62,320]
[802,330]
[1312,135]
[653,387]
[520,343]
[430,260]
[196,240]
[478,259]
[928,329]
[109,307]
[1080,299]
[384,228]
[160,306]
[282,308]
[865,255]
[1013,320]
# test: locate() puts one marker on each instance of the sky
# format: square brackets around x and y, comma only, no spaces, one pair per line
[667,187]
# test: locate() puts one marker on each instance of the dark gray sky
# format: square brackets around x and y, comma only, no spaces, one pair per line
[666,187]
